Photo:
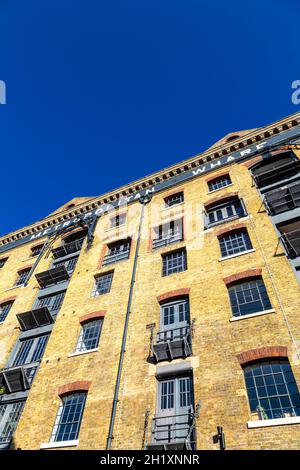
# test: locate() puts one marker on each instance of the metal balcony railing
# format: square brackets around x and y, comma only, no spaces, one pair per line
[291,242]
[113,258]
[35,318]
[52,276]
[68,248]
[279,171]
[175,432]
[283,199]
[166,240]
[17,378]
[173,343]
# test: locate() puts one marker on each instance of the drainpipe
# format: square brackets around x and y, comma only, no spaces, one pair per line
[143,200]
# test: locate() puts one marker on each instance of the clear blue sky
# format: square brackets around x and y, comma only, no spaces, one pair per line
[100,93]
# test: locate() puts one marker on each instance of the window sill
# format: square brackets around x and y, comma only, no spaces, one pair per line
[237,254]
[80,353]
[54,445]
[264,423]
[14,287]
[111,229]
[257,314]
[172,207]
[224,221]
[219,189]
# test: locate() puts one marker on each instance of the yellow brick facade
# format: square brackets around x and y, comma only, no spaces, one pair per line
[217,375]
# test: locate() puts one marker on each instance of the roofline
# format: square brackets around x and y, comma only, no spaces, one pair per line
[194,161]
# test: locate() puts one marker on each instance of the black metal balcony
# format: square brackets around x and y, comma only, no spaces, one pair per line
[67,248]
[276,170]
[173,344]
[291,242]
[175,432]
[166,240]
[35,318]
[16,379]
[52,276]
[283,199]
[113,258]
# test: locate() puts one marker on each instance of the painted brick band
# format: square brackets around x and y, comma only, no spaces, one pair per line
[242,275]
[92,316]
[220,199]
[229,229]
[79,386]
[8,299]
[173,294]
[262,353]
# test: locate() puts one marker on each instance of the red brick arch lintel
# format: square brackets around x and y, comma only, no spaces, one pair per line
[78,386]
[262,353]
[242,275]
[173,294]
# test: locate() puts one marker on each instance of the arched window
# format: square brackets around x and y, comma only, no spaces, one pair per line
[4,310]
[68,418]
[234,242]
[248,297]
[272,390]
[224,209]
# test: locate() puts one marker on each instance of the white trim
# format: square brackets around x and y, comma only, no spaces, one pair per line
[14,287]
[237,254]
[53,445]
[174,206]
[219,189]
[256,314]
[264,423]
[80,353]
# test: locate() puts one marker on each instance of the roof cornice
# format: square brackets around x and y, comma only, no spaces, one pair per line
[209,155]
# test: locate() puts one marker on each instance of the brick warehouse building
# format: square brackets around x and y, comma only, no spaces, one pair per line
[150,316]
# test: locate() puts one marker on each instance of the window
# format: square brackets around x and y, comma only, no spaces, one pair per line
[69,264]
[89,335]
[173,419]
[53,302]
[174,262]
[168,233]
[219,182]
[68,419]
[272,390]
[102,284]
[36,250]
[249,297]
[117,220]
[4,310]
[174,326]
[31,350]
[117,251]
[9,416]
[2,262]
[174,199]
[234,243]
[175,313]
[22,277]
[176,393]
[229,210]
